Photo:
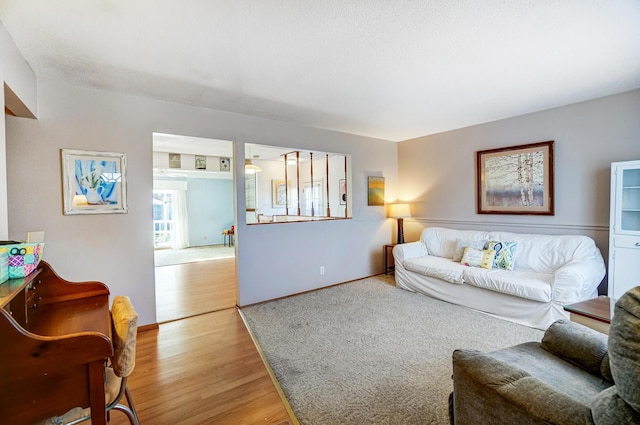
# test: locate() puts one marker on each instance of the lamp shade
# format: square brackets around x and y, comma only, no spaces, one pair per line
[249,168]
[399,210]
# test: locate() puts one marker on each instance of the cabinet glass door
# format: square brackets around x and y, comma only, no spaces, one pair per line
[630,204]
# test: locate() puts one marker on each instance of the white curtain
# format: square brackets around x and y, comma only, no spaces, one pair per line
[180,220]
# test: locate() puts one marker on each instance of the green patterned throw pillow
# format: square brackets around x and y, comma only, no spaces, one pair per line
[505,254]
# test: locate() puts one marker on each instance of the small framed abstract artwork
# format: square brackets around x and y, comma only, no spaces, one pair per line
[201,162]
[175,160]
[93,182]
[516,180]
[343,191]
[281,194]
[375,191]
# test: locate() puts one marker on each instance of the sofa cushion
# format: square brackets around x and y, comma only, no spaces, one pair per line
[505,254]
[461,244]
[441,242]
[547,253]
[442,268]
[624,347]
[523,284]
[535,252]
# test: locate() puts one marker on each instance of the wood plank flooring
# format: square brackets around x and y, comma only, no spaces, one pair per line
[202,370]
[201,366]
[186,290]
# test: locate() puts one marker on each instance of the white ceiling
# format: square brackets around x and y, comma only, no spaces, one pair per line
[389,69]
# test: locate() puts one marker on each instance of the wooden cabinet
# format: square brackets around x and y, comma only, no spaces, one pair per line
[624,231]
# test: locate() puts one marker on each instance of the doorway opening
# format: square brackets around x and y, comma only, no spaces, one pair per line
[193,208]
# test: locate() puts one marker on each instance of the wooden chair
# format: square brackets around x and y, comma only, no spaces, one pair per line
[124,332]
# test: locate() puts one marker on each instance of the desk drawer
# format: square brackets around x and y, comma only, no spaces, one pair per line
[627,241]
[32,297]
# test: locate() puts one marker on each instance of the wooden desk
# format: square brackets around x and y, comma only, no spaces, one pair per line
[594,313]
[56,337]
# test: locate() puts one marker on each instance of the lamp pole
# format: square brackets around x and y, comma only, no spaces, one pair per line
[400,230]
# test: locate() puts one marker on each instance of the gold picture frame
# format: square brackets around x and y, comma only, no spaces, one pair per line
[281,194]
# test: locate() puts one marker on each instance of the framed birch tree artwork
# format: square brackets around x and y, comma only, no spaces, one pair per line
[516,180]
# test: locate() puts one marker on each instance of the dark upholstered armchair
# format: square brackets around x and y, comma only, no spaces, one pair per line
[574,376]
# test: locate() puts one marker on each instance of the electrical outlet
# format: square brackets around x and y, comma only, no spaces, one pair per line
[321,270]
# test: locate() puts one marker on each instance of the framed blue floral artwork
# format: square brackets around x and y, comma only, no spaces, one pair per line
[94,182]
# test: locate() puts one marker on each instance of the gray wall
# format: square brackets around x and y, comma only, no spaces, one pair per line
[437,173]
[273,260]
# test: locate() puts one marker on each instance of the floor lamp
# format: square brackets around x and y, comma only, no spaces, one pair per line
[399,212]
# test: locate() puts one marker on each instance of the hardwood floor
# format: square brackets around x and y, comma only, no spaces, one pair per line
[203,370]
[186,290]
[201,365]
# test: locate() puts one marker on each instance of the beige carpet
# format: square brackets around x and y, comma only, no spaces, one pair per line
[369,353]
[166,257]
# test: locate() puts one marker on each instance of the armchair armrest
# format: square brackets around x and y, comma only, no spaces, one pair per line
[577,280]
[488,390]
[579,345]
[608,408]
[405,251]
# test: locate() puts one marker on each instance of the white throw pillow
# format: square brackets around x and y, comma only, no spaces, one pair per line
[478,257]
[461,244]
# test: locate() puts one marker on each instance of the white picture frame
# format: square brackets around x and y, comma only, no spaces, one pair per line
[93,182]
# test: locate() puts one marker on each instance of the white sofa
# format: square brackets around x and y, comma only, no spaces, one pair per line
[550,271]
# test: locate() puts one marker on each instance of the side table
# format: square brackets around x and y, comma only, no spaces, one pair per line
[594,313]
[388,267]
[228,236]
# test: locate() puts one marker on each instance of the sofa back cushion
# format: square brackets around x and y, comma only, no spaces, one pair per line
[441,241]
[534,252]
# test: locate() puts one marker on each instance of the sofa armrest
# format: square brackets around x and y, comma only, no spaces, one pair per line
[405,251]
[577,280]
[580,345]
[488,390]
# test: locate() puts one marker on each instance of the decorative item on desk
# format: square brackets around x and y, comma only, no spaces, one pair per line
[4,266]
[4,259]
[399,212]
[23,258]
